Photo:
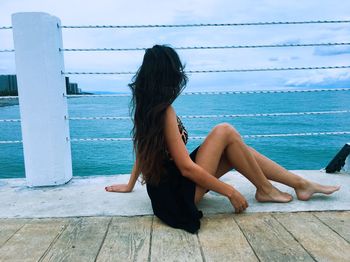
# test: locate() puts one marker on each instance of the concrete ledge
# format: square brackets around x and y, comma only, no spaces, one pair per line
[85,196]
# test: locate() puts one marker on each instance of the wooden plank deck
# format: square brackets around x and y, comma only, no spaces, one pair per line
[301,236]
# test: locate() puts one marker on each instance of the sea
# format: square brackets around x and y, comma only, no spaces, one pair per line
[91,158]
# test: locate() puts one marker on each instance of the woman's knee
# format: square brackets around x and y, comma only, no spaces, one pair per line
[228,131]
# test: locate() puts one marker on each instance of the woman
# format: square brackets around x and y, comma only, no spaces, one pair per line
[177,181]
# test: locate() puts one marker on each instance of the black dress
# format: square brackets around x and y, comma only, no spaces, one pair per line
[173,199]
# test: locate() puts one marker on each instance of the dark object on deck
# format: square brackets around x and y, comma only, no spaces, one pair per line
[339,160]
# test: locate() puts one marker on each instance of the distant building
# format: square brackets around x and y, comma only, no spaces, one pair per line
[8,86]
[72,88]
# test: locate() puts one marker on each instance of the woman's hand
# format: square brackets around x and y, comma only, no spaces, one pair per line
[121,188]
[238,201]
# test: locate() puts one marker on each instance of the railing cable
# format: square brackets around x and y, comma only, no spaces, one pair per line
[204,47]
[200,137]
[204,24]
[194,47]
[221,116]
[206,116]
[10,141]
[243,136]
[8,97]
[220,70]
[9,120]
[212,24]
[212,92]
[7,50]
[229,92]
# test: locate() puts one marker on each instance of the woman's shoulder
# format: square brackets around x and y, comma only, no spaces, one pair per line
[170,116]
[170,112]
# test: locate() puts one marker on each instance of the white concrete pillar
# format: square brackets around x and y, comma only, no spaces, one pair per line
[42,102]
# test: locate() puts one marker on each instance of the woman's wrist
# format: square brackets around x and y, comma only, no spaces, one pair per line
[230,192]
[130,187]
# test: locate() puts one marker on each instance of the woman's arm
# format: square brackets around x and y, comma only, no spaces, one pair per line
[125,188]
[135,173]
[190,169]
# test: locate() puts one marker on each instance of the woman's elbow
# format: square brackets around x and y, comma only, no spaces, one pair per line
[187,170]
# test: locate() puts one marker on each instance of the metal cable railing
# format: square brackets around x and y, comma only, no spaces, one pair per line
[8,97]
[106,49]
[7,50]
[213,92]
[197,137]
[207,116]
[9,120]
[212,24]
[203,24]
[206,47]
[231,92]
[220,70]
[222,115]
[211,71]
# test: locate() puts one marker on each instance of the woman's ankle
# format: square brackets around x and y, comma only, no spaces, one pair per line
[301,183]
[265,189]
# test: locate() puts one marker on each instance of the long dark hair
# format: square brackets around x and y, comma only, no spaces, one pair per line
[157,83]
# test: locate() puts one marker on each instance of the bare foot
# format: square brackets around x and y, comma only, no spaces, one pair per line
[307,189]
[274,195]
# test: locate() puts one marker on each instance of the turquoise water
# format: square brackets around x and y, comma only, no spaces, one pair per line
[107,158]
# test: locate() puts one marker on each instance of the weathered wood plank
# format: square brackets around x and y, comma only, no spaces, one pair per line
[32,240]
[169,244]
[320,241]
[222,240]
[128,239]
[338,221]
[270,241]
[80,241]
[8,227]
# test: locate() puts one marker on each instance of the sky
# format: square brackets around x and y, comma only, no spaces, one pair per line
[108,12]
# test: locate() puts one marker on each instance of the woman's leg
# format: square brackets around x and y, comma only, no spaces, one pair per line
[222,168]
[275,172]
[224,139]
[303,188]
[218,156]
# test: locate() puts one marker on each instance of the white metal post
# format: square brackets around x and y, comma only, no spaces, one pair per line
[42,101]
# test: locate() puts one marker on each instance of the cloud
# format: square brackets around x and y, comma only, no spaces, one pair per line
[7,64]
[283,58]
[331,50]
[290,41]
[329,79]
[192,11]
